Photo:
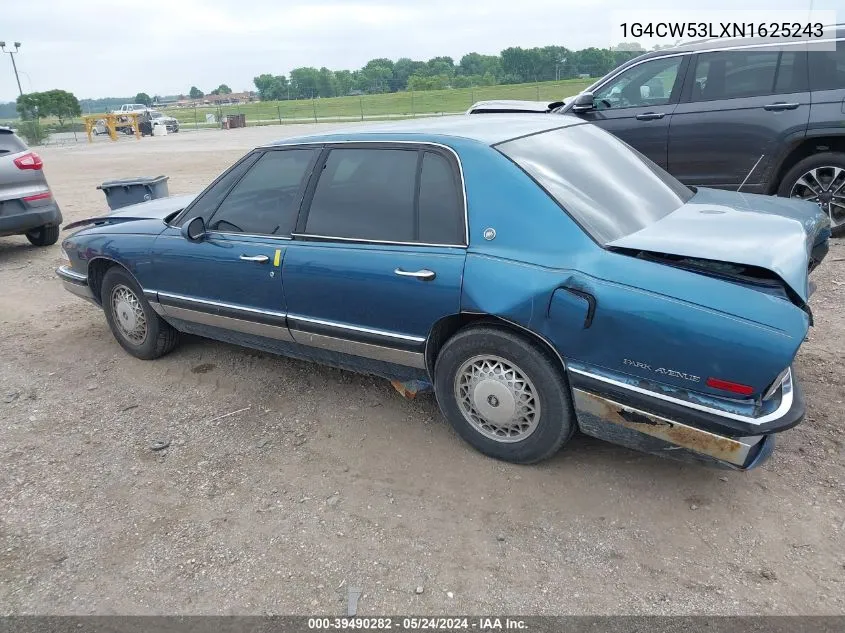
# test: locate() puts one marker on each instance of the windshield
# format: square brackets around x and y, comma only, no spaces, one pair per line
[607,186]
[156,115]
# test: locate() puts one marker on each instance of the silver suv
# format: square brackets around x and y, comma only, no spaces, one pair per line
[27,206]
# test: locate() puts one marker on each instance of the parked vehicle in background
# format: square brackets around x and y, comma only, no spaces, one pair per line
[540,273]
[730,114]
[509,106]
[159,118]
[129,108]
[27,206]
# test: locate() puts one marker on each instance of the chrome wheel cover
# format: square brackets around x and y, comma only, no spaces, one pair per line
[128,315]
[826,187]
[497,398]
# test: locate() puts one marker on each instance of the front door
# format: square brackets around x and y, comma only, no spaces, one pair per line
[637,105]
[231,279]
[380,252]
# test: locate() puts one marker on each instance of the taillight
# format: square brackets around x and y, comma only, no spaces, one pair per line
[30,160]
[727,385]
[38,196]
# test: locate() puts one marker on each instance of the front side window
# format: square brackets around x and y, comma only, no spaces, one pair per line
[736,74]
[210,199]
[371,194]
[648,84]
[266,200]
[608,187]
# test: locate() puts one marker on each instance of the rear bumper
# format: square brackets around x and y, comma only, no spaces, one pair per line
[31,219]
[76,283]
[652,424]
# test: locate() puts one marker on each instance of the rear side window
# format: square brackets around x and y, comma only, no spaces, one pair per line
[387,195]
[441,205]
[827,68]
[266,200]
[738,74]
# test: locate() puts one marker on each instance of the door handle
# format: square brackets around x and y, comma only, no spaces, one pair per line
[260,259]
[424,274]
[777,107]
[650,116]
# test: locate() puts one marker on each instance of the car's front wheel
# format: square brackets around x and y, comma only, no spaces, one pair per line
[43,235]
[135,325]
[504,394]
[821,179]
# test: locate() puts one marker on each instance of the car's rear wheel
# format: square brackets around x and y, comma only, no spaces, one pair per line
[504,394]
[135,325]
[821,179]
[43,235]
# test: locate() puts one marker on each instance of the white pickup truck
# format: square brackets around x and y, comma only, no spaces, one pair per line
[129,108]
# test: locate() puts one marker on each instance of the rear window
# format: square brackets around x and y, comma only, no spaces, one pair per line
[608,187]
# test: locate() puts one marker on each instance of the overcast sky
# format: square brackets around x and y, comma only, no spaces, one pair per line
[98,48]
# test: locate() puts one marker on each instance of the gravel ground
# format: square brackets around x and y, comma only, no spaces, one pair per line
[286,484]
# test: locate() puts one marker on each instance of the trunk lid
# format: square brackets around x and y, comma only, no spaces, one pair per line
[783,236]
[151,210]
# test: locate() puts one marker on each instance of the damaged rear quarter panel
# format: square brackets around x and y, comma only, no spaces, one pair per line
[690,325]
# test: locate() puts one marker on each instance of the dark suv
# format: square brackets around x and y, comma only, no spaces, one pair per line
[766,117]
[27,206]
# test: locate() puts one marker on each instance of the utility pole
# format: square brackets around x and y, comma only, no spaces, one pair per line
[14,66]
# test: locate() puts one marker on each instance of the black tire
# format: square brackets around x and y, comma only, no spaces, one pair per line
[556,422]
[820,160]
[159,338]
[43,235]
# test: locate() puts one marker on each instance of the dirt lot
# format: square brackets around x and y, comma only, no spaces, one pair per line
[326,480]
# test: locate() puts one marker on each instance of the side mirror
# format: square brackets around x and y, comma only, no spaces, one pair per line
[583,102]
[194,231]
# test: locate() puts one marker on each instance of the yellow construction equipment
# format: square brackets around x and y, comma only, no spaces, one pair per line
[112,122]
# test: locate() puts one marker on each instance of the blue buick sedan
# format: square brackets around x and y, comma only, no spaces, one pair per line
[541,274]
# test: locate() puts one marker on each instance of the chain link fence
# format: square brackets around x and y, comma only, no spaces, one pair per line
[397,105]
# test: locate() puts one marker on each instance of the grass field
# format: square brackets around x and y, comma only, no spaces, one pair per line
[381,106]
[397,104]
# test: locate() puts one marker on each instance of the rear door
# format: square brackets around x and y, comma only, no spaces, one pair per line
[380,251]
[738,108]
[232,278]
[637,104]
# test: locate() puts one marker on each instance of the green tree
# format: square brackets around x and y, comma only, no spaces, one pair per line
[143,97]
[440,66]
[426,82]
[595,61]
[476,64]
[58,103]
[303,82]
[344,80]
[271,87]
[223,89]
[195,93]
[326,83]
[403,69]
[377,76]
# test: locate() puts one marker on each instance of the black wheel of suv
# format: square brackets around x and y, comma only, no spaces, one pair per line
[504,394]
[821,179]
[135,325]
[43,235]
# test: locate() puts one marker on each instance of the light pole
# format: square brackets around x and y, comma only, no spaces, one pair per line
[14,66]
